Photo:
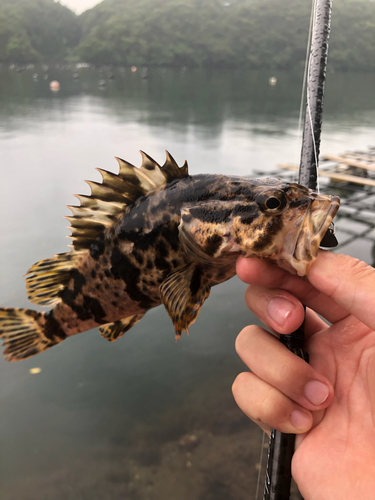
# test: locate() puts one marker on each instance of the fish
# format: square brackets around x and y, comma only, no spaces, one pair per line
[156,235]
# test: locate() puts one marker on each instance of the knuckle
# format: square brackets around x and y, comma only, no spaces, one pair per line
[273,409]
[360,274]
[242,340]
[361,270]
[249,294]
[239,384]
[266,406]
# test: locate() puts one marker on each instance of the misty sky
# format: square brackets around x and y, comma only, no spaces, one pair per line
[79,6]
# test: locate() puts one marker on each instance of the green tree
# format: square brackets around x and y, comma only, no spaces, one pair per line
[211,33]
[248,33]
[19,48]
[32,30]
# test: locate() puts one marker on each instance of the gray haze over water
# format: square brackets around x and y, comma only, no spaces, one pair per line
[108,420]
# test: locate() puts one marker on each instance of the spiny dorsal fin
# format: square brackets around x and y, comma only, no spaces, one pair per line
[110,198]
[115,330]
[172,171]
[46,279]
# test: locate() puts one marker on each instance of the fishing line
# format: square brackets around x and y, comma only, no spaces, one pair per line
[260,465]
[307,58]
[304,83]
[308,106]
[282,445]
[299,134]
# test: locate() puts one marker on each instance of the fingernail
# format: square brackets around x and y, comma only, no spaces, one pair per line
[316,392]
[300,420]
[279,309]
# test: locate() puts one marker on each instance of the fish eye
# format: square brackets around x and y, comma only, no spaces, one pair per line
[273,203]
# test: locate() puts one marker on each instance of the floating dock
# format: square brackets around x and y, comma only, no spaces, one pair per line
[354,167]
[351,176]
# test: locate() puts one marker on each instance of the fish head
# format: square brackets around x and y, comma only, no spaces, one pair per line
[291,224]
[284,222]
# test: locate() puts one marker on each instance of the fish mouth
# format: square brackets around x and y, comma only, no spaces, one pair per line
[301,244]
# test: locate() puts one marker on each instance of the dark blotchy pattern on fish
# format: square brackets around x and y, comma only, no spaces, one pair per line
[156,234]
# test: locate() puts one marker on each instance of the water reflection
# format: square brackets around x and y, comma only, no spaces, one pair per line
[107,420]
[203,97]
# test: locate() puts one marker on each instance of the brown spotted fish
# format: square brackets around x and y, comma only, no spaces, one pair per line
[153,235]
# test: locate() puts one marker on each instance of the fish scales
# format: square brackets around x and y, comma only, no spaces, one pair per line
[141,250]
[153,235]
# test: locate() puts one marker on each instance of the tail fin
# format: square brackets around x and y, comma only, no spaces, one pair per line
[26,333]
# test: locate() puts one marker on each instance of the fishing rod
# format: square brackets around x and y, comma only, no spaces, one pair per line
[281,446]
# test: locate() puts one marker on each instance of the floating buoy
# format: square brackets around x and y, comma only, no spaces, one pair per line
[35,371]
[273,80]
[133,69]
[54,86]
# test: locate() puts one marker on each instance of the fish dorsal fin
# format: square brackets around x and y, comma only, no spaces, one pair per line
[183,294]
[46,279]
[110,198]
[115,330]
[172,171]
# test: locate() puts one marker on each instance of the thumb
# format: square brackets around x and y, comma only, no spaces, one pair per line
[349,281]
[371,384]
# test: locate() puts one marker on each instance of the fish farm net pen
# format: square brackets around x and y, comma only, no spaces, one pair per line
[281,446]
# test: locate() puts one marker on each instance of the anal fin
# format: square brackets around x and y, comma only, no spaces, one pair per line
[115,330]
[183,294]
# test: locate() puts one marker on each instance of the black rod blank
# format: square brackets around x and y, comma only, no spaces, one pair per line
[308,170]
[281,446]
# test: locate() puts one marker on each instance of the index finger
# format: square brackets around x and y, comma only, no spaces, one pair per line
[337,285]
[265,274]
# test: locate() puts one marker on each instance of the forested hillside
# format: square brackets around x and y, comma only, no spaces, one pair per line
[36,30]
[216,33]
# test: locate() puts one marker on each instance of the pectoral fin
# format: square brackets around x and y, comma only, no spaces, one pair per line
[115,330]
[206,233]
[183,294]
[191,246]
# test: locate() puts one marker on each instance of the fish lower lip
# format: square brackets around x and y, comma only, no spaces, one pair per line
[314,228]
[301,242]
[328,238]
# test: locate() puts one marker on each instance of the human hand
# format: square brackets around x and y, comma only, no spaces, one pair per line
[329,403]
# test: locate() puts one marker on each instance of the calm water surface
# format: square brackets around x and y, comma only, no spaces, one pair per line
[108,420]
